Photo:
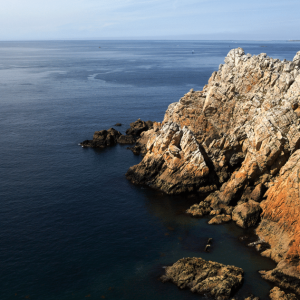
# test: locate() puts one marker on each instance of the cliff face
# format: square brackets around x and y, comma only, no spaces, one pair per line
[242,131]
[242,127]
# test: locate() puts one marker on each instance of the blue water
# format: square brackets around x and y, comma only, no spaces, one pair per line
[71,225]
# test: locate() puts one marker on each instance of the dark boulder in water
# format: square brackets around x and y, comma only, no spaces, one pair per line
[126,139]
[110,137]
[102,139]
[205,277]
[137,127]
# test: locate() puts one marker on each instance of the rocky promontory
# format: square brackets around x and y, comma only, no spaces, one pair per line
[237,141]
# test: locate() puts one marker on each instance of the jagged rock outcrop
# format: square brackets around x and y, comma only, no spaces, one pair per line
[205,277]
[236,139]
[173,163]
[137,127]
[199,210]
[247,214]
[277,294]
[140,147]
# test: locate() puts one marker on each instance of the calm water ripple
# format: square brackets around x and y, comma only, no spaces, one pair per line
[72,226]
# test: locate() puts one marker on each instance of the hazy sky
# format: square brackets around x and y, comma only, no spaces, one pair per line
[171,19]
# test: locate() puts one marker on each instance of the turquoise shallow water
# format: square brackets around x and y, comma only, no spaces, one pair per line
[72,226]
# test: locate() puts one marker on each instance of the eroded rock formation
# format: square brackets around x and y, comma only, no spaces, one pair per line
[205,277]
[236,139]
[277,294]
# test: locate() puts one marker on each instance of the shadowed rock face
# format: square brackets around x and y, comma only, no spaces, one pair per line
[205,277]
[173,163]
[247,214]
[237,138]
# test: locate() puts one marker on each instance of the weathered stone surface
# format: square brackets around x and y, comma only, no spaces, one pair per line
[102,139]
[141,144]
[258,192]
[219,219]
[174,162]
[247,214]
[205,277]
[126,139]
[277,294]
[243,132]
[284,276]
[199,210]
[243,123]
[137,127]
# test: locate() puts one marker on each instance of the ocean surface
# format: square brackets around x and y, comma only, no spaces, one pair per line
[71,225]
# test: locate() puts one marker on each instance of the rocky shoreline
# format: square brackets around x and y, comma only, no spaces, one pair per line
[238,142]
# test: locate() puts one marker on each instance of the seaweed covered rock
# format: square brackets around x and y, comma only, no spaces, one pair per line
[205,277]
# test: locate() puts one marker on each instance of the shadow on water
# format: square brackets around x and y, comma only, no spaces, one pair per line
[188,236]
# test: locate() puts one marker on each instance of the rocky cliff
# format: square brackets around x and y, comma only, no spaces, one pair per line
[237,138]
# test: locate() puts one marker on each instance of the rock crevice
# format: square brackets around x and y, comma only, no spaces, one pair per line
[239,140]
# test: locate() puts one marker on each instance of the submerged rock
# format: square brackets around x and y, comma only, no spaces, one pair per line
[205,277]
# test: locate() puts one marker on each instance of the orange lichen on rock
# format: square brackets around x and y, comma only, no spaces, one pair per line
[237,137]
[283,206]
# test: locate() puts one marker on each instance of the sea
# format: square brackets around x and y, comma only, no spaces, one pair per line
[72,227]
